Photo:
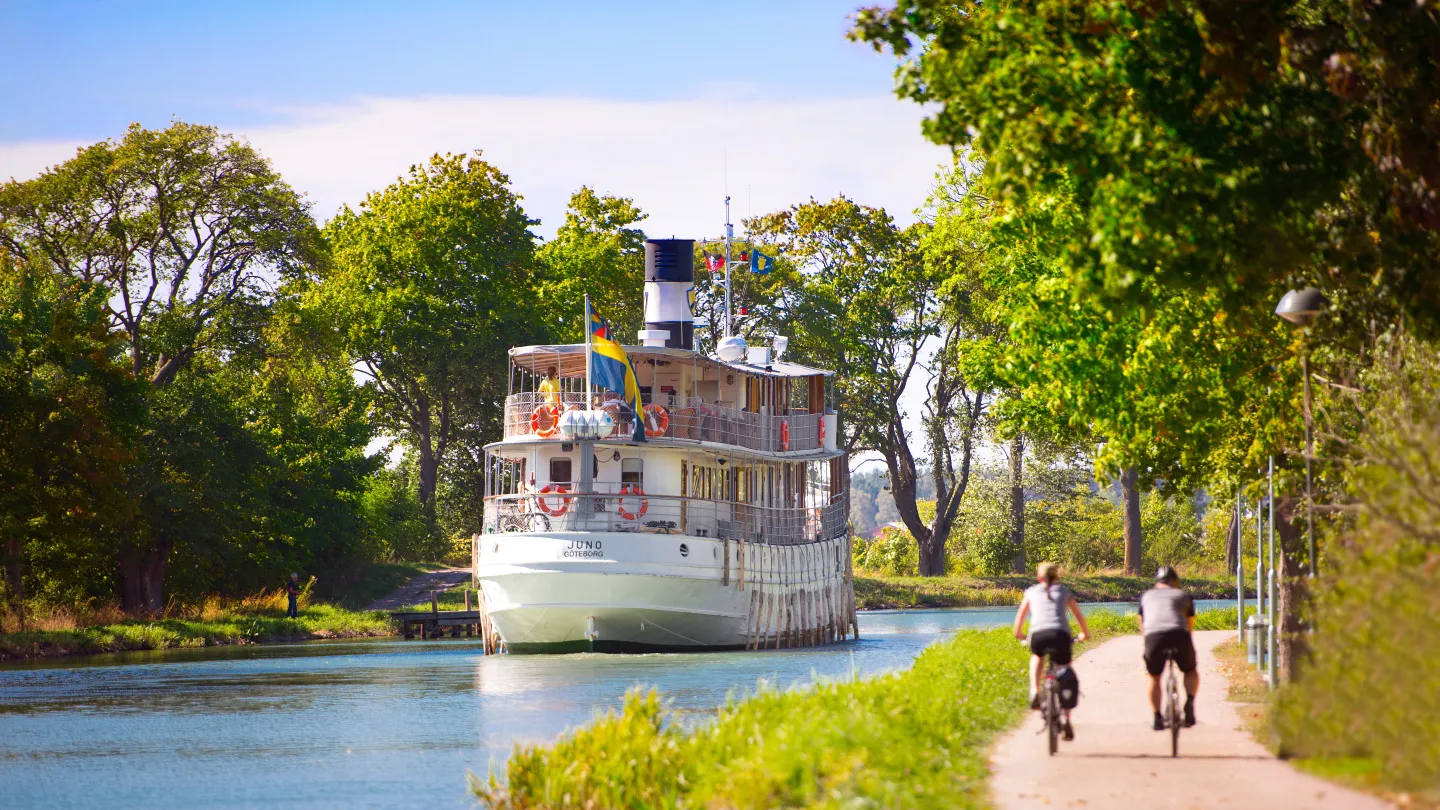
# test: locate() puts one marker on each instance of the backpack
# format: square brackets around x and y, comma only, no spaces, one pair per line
[1068,685]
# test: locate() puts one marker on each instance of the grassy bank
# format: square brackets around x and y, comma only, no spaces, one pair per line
[896,740]
[876,592]
[255,619]
[1247,689]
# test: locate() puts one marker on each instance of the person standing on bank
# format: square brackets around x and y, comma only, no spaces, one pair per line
[292,590]
[1045,604]
[1167,619]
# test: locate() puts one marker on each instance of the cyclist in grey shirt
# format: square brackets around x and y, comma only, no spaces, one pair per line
[1045,604]
[1167,618]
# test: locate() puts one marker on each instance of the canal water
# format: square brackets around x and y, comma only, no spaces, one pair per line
[366,723]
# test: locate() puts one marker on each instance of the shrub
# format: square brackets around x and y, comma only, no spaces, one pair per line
[894,553]
[1371,684]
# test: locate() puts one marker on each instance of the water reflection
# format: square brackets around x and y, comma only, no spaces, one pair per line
[370,723]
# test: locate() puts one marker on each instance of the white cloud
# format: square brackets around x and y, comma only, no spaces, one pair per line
[670,156]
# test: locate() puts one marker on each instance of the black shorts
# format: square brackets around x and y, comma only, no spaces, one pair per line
[1055,642]
[1176,641]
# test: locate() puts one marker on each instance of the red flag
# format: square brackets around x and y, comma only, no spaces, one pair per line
[713,261]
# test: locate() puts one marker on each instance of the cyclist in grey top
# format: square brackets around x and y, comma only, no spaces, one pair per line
[1045,604]
[1167,618]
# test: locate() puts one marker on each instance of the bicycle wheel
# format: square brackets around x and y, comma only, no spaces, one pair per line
[1052,715]
[1172,711]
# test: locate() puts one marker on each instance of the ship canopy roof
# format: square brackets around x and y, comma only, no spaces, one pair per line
[569,361]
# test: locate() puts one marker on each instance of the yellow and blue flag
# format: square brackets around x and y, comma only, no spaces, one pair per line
[760,263]
[610,367]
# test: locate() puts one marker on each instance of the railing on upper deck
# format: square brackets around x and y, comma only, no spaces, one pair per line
[685,418]
[568,512]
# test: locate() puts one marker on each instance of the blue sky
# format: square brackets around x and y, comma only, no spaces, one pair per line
[87,69]
[671,104]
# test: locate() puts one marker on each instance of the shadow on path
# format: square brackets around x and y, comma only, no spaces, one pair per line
[418,589]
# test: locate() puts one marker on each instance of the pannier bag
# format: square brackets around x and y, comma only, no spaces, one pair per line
[1068,685]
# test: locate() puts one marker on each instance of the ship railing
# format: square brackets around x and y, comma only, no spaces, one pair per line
[626,512]
[685,418]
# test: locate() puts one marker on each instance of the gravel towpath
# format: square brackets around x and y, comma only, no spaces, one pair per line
[1118,761]
[418,589]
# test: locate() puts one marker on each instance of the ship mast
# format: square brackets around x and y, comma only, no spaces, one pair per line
[729,271]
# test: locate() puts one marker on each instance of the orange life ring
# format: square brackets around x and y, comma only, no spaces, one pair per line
[558,489]
[822,431]
[662,420]
[551,412]
[620,503]
[785,435]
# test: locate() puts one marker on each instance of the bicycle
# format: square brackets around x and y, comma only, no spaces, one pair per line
[1050,705]
[1172,703]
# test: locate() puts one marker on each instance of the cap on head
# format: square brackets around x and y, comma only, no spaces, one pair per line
[1167,575]
[1048,571]
[294,575]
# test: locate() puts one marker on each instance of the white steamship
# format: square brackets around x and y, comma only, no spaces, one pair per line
[725,529]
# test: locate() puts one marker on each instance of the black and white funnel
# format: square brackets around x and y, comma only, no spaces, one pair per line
[670,290]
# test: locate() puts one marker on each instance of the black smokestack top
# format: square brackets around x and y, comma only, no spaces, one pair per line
[669,283]
[670,260]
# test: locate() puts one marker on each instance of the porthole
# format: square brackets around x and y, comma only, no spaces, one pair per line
[684,550]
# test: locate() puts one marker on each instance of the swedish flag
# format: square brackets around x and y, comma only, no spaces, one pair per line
[760,263]
[610,367]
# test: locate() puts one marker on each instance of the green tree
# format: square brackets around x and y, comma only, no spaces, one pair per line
[867,301]
[187,230]
[69,407]
[596,252]
[431,281]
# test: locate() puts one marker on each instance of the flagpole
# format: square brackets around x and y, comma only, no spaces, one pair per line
[588,397]
[729,231]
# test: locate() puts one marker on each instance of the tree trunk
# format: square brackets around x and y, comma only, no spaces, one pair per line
[1132,521]
[1232,541]
[14,579]
[1017,505]
[429,474]
[140,575]
[1290,587]
[932,558]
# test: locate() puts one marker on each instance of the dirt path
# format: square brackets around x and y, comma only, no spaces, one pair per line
[418,589]
[1118,761]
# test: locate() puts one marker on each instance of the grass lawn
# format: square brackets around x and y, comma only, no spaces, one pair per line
[877,592]
[1249,691]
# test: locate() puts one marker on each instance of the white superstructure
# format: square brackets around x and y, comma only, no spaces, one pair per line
[725,529]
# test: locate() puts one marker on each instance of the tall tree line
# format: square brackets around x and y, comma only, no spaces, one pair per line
[193,368]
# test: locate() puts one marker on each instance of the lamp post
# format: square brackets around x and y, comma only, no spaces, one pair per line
[1301,307]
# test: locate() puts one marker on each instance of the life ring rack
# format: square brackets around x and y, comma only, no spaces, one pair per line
[785,435]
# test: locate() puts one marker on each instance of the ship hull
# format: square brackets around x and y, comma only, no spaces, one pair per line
[548,592]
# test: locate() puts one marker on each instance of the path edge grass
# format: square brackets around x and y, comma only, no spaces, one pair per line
[1246,688]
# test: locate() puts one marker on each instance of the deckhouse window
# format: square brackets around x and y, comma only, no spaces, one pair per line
[632,471]
[560,471]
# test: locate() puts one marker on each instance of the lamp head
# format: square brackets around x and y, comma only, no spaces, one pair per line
[1300,307]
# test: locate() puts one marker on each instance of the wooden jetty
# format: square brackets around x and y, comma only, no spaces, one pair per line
[434,623]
